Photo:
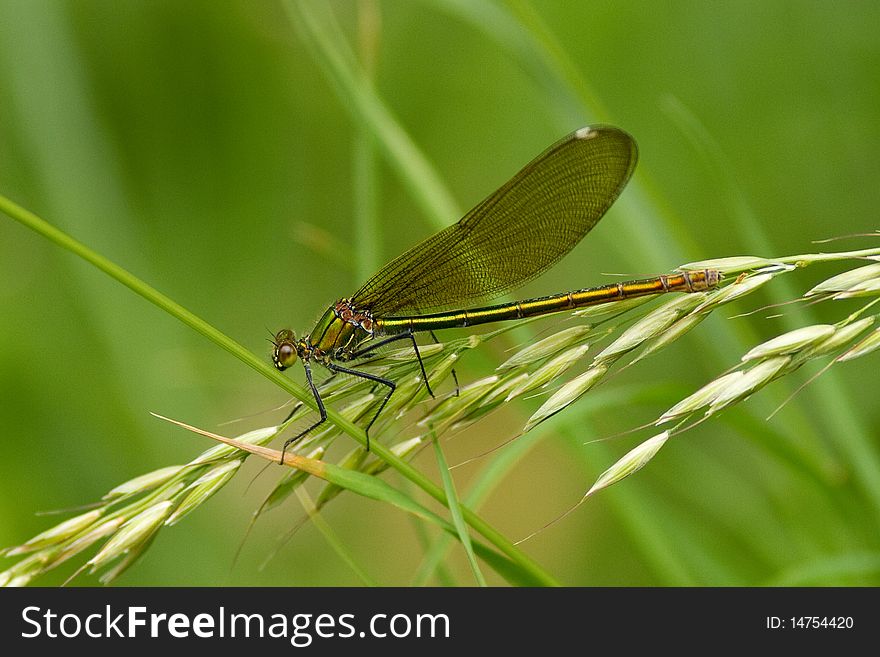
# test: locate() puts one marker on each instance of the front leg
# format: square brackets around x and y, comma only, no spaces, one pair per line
[298,405]
[321,410]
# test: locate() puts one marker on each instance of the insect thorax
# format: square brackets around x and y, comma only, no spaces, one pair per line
[341,328]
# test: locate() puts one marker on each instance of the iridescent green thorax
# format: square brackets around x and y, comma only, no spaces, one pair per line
[339,331]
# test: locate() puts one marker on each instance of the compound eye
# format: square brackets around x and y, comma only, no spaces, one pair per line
[284,356]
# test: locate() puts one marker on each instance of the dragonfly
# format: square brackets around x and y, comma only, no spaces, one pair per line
[516,233]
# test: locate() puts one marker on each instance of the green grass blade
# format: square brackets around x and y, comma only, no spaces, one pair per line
[332,537]
[455,512]
[380,490]
[317,30]
[508,457]
[498,24]
[850,569]
[427,542]
[367,227]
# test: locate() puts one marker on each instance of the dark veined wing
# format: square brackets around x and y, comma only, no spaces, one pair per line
[516,233]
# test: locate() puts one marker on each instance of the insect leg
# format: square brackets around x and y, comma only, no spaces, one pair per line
[298,405]
[321,410]
[372,345]
[454,375]
[407,335]
[371,377]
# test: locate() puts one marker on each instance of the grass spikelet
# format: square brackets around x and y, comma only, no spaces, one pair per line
[549,371]
[631,462]
[651,325]
[864,289]
[701,398]
[547,347]
[57,534]
[676,330]
[133,534]
[791,342]
[566,395]
[144,482]
[729,265]
[751,380]
[870,343]
[203,488]
[846,280]
[842,335]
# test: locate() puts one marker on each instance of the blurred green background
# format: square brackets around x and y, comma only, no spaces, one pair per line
[201,146]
